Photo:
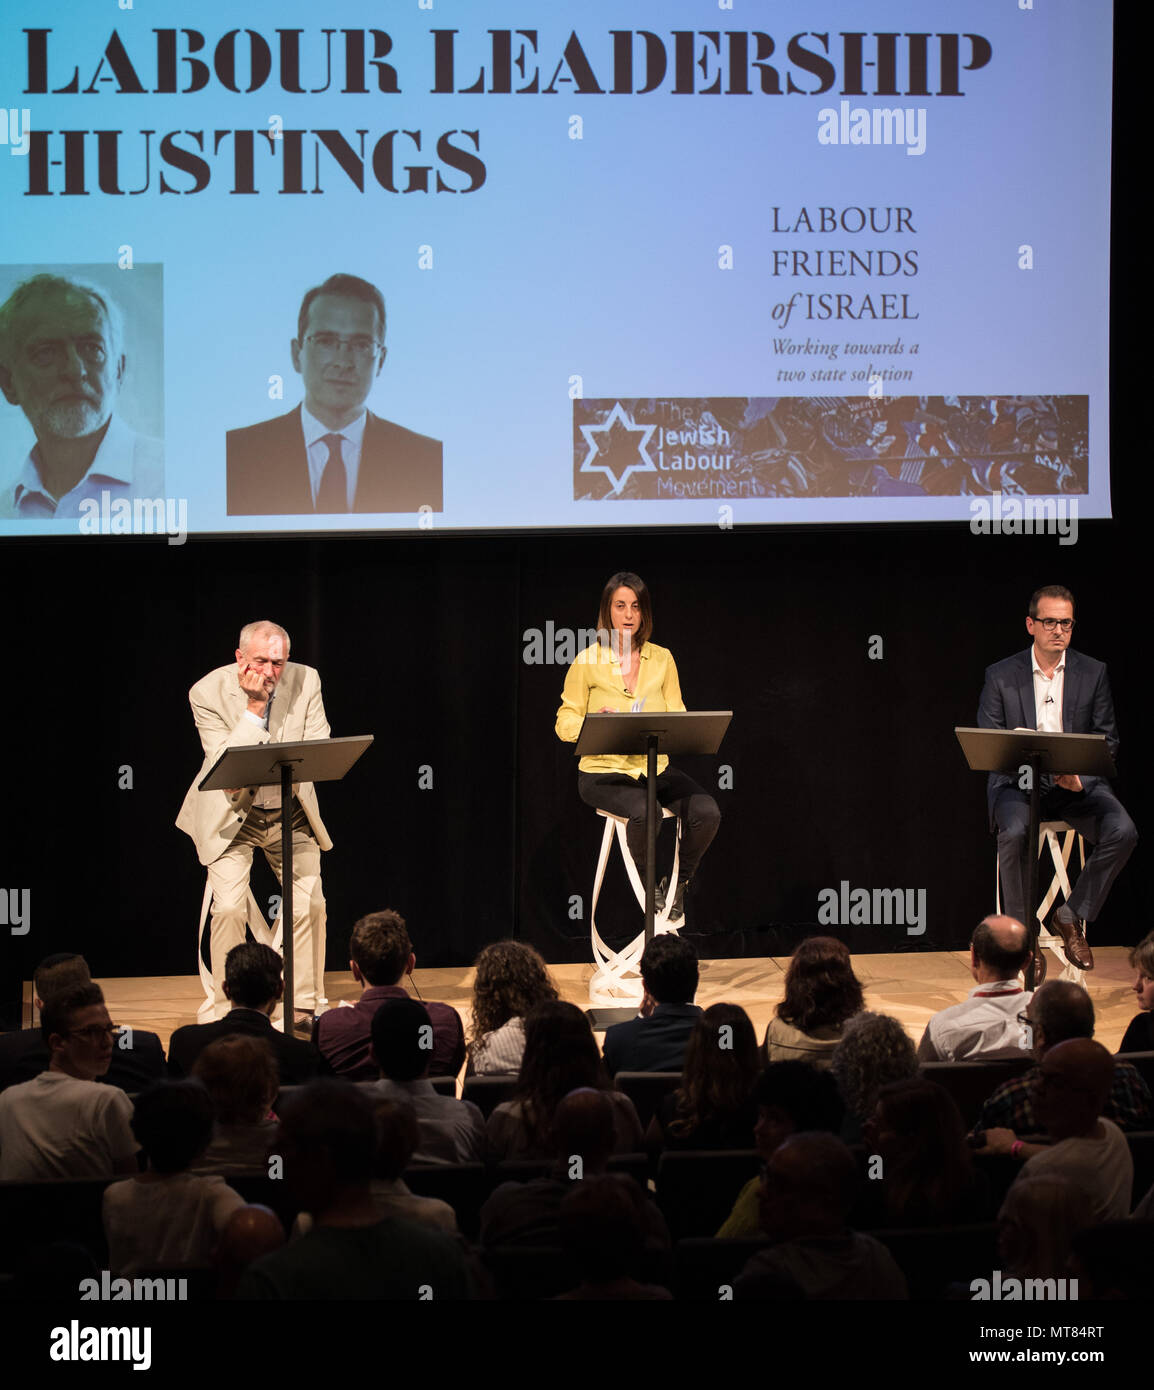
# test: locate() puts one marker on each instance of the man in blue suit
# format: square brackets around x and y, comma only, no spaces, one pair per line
[656,1041]
[331,454]
[1052,688]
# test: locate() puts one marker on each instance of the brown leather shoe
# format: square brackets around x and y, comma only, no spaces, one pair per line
[1073,933]
[1040,966]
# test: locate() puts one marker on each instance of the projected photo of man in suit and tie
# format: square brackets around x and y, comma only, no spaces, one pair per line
[330,454]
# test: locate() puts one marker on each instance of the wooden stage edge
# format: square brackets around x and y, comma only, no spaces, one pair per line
[910,987]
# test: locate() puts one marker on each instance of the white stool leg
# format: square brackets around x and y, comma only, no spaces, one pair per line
[1061,880]
[609,985]
[616,978]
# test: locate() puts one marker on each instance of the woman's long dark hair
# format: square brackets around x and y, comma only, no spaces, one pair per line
[720,1069]
[560,1056]
[821,989]
[928,1167]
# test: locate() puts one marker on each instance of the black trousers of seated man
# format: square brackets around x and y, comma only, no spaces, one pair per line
[1096,813]
[626,796]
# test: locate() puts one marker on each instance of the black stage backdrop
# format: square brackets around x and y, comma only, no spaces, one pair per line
[465,814]
[843,767]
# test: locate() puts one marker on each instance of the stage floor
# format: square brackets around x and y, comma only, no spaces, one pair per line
[909,986]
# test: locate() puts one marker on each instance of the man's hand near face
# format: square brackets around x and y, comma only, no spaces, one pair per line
[257,685]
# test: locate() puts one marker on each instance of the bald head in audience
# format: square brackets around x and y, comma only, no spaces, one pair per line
[999,948]
[251,1232]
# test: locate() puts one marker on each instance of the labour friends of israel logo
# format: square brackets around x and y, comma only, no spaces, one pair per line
[618,448]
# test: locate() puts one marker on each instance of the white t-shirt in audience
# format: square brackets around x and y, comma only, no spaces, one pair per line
[1102,1167]
[166,1222]
[57,1126]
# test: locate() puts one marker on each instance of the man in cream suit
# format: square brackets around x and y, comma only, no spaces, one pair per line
[263,698]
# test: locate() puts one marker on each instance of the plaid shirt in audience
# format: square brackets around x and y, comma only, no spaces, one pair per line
[1012,1104]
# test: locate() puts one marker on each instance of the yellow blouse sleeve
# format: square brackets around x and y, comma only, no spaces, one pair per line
[671,689]
[574,702]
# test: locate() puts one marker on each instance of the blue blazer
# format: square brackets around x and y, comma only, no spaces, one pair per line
[1008,703]
[656,1043]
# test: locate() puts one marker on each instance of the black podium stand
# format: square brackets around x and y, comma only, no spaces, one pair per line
[1013,751]
[282,764]
[698,731]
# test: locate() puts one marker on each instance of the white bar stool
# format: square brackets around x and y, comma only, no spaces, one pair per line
[1048,833]
[616,976]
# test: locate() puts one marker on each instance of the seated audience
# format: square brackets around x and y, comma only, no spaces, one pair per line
[380,957]
[927,1173]
[239,1073]
[398,1136]
[602,1225]
[791,1098]
[1139,1035]
[875,1050]
[526,1213]
[511,980]
[808,1190]
[328,1140]
[402,1040]
[1092,1152]
[1037,1224]
[62,1124]
[713,1108]
[1058,1011]
[560,1056]
[137,1055]
[168,1218]
[821,993]
[986,1023]
[657,1040]
[254,985]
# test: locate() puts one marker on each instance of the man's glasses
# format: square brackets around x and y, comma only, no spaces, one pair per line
[1066,624]
[95,1032]
[362,347]
[91,352]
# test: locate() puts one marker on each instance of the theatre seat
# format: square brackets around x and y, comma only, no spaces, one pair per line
[972,1083]
[465,1186]
[635,1166]
[487,1092]
[696,1189]
[647,1089]
[933,1258]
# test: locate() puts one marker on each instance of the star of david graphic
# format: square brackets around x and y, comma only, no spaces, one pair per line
[620,450]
